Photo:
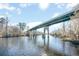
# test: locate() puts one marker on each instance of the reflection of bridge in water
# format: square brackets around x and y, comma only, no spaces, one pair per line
[72,14]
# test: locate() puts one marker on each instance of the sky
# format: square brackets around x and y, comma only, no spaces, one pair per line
[33,14]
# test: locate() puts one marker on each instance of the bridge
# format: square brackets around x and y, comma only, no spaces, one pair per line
[70,15]
[62,18]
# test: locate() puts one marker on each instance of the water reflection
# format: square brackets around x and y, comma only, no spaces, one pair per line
[3,47]
[35,47]
[57,46]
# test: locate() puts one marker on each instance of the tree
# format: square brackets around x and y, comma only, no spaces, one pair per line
[2,24]
[2,21]
[15,30]
[22,26]
[75,27]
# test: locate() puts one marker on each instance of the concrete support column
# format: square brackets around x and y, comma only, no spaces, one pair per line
[34,34]
[30,34]
[44,36]
[44,33]
[48,38]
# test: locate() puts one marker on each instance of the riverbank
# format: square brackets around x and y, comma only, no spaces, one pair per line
[12,36]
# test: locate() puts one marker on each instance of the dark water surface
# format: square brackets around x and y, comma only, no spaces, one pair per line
[24,46]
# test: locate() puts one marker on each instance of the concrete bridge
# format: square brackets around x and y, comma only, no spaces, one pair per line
[70,15]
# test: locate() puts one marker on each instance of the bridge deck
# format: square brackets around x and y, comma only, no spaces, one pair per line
[61,18]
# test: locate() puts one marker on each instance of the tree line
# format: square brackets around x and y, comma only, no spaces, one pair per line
[69,30]
[11,30]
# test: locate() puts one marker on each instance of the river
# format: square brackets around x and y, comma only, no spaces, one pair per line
[24,46]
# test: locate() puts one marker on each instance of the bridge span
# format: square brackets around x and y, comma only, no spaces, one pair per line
[70,15]
[74,13]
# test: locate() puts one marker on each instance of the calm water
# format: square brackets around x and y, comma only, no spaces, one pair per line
[25,46]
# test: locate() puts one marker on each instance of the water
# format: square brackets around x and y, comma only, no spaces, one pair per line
[24,46]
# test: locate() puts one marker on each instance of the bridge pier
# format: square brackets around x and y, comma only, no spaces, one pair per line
[48,38]
[44,36]
[34,34]
[31,35]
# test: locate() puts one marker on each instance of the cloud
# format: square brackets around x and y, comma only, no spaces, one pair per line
[55,15]
[66,5]
[6,6]
[71,5]
[43,6]
[52,1]
[2,16]
[22,5]
[8,14]
[60,5]
[5,15]
[33,24]
[18,10]
[39,1]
